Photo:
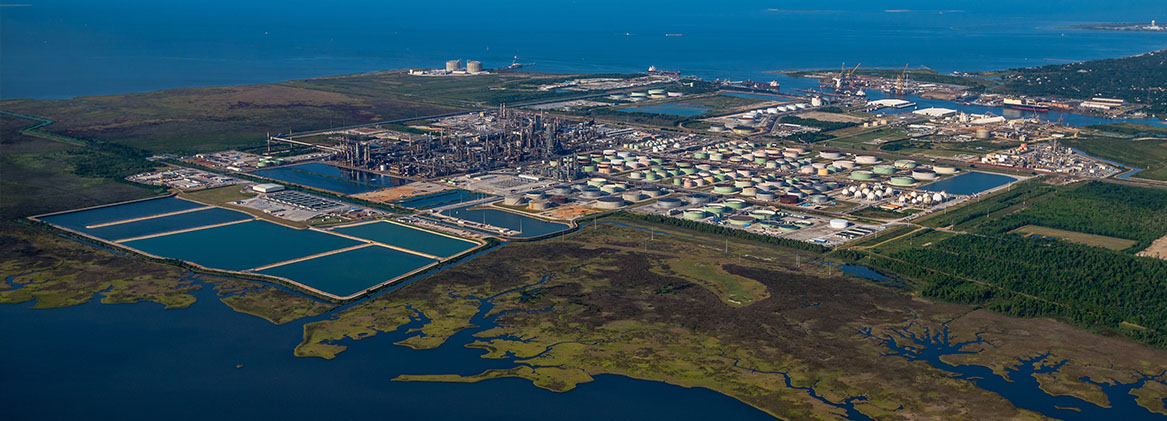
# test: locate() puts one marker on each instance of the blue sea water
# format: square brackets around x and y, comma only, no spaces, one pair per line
[140,362]
[67,48]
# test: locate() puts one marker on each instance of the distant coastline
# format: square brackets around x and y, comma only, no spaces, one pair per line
[1137,27]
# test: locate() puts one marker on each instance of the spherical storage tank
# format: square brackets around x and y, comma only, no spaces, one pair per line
[473,66]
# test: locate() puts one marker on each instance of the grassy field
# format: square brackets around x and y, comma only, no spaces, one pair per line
[1076,237]
[215,118]
[861,139]
[39,176]
[944,149]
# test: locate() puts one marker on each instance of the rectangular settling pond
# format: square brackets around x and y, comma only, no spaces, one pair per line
[242,246]
[527,226]
[439,199]
[347,273]
[409,238]
[969,183]
[78,220]
[164,224]
[332,178]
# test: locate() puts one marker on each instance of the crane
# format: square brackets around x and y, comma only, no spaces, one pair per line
[901,79]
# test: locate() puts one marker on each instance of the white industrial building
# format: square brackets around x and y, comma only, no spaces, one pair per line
[267,188]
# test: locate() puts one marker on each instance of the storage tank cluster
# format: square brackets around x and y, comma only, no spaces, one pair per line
[610,161]
[923,198]
[876,191]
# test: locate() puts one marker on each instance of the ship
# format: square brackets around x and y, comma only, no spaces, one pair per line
[771,87]
[652,70]
[1025,105]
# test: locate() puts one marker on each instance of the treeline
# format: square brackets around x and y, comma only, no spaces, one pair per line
[1139,79]
[1090,286]
[826,126]
[724,231]
[1021,193]
[1109,209]
[98,159]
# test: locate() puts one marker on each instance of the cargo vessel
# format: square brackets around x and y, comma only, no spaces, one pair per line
[1025,105]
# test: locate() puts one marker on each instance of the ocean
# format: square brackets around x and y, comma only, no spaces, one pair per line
[68,48]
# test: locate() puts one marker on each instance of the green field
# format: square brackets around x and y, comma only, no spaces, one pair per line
[860,138]
[944,149]
[1075,237]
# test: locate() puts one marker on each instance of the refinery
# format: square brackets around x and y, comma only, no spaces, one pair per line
[739,160]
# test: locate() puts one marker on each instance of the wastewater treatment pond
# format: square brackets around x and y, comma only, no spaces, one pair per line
[969,183]
[331,178]
[341,263]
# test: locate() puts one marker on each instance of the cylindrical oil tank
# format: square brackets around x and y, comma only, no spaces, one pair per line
[695,199]
[867,159]
[765,196]
[592,193]
[473,66]
[923,175]
[884,169]
[905,164]
[862,175]
[829,154]
[819,198]
[715,208]
[452,65]
[844,164]
[736,204]
[724,188]
[632,196]
[944,169]
[694,214]
[609,202]
[902,181]
[513,200]
[561,190]
[669,203]
[789,199]
[762,214]
[540,204]
[741,220]
[839,223]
